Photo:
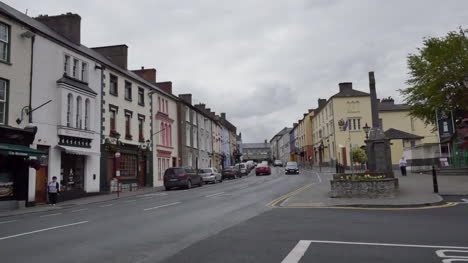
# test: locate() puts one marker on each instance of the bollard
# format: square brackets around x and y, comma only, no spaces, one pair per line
[434,180]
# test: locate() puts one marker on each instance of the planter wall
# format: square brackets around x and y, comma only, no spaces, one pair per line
[364,189]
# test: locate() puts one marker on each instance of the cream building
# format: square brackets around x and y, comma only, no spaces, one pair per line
[332,144]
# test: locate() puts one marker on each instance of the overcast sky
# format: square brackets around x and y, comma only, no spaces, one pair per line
[263,62]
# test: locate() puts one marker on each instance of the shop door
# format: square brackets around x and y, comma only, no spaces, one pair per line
[142,172]
[41,184]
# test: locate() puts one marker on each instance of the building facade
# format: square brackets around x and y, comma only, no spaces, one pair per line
[188,132]
[257,152]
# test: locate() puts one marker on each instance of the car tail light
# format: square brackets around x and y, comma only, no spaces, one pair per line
[182,175]
[212,174]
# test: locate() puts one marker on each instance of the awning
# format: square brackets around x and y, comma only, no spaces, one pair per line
[19,150]
[78,150]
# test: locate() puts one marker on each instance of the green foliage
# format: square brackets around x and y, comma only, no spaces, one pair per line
[437,74]
[359,156]
[365,177]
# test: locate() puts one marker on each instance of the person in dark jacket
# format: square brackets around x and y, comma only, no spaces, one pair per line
[53,189]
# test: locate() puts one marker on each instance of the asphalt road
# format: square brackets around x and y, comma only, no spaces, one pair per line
[147,228]
[292,235]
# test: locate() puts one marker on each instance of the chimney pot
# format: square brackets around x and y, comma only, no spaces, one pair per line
[67,25]
[344,86]
[118,54]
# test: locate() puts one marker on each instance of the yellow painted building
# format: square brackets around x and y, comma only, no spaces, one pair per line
[304,137]
[331,143]
[396,122]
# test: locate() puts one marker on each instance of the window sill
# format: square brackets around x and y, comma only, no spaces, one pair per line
[6,62]
[141,104]
[128,137]
[114,94]
[127,99]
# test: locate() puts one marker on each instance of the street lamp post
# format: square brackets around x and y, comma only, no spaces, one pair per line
[366,130]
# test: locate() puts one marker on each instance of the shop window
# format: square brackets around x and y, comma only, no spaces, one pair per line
[128,165]
[72,172]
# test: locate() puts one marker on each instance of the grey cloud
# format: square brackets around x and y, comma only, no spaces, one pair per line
[264,62]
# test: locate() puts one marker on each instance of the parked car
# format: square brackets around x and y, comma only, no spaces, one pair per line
[230,173]
[291,168]
[242,167]
[182,177]
[278,163]
[211,175]
[264,163]
[262,169]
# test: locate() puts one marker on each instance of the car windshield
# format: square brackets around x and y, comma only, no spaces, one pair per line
[205,171]
[291,164]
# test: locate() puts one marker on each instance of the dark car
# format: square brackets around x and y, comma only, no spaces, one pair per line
[182,177]
[230,173]
[291,168]
[262,169]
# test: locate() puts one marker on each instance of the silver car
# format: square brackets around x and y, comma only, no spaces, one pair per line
[210,175]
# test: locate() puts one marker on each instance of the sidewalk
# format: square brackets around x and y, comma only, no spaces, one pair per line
[414,190]
[78,202]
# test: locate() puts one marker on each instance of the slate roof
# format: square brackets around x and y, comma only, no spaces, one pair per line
[397,134]
[382,106]
[50,33]
[350,93]
[76,83]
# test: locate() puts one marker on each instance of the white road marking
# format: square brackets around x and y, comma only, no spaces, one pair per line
[56,214]
[42,230]
[129,201]
[297,252]
[152,194]
[78,210]
[106,205]
[383,244]
[220,193]
[147,198]
[320,179]
[443,253]
[9,221]
[156,207]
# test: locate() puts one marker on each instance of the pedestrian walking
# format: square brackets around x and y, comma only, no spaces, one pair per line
[53,189]
[403,166]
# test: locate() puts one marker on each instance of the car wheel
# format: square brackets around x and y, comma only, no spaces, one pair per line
[201,182]
[215,181]
[189,184]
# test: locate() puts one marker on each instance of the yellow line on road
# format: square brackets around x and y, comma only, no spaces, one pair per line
[281,198]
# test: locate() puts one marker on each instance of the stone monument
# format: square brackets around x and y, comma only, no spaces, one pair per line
[377,145]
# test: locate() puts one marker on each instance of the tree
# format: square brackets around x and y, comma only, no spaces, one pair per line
[359,156]
[439,77]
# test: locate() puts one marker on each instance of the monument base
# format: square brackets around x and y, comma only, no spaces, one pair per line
[374,188]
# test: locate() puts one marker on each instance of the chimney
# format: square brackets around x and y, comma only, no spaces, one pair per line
[186,97]
[67,25]
[374,102]
[200,106]
[223,115]
[321,103]
[118,54]
[311,110]
[295,125]
[208,110]
[166,86]
[213,114]
[388,100]
[345,86]
[148,74]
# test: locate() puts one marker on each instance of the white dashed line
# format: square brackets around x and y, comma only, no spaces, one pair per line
[10,221]
[161,206]
[106,205]
[297,252]
[382,244]
[214,194]
[56,214]
[42,230]
[78,210]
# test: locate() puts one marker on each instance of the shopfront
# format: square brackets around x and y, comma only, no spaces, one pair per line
[16,157]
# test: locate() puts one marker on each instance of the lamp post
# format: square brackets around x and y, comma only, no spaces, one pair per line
[366,130]
[321,147]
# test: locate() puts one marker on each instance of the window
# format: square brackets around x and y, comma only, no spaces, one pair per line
[163,133]
[170,135]
[84,71]
[78,112]
[412,123]
[113,85]
[167,108]
[4,42]
[87,109]
[128,90]
[187,114]
[112,118]
[66,65]
[3,100]
[141,96]
[141,121]
[128,165]
[159,103]
[187,135]
[381,124]
[195,138]
[355,124]
[128,119]
[194,118]
[75,68]
[69,110]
